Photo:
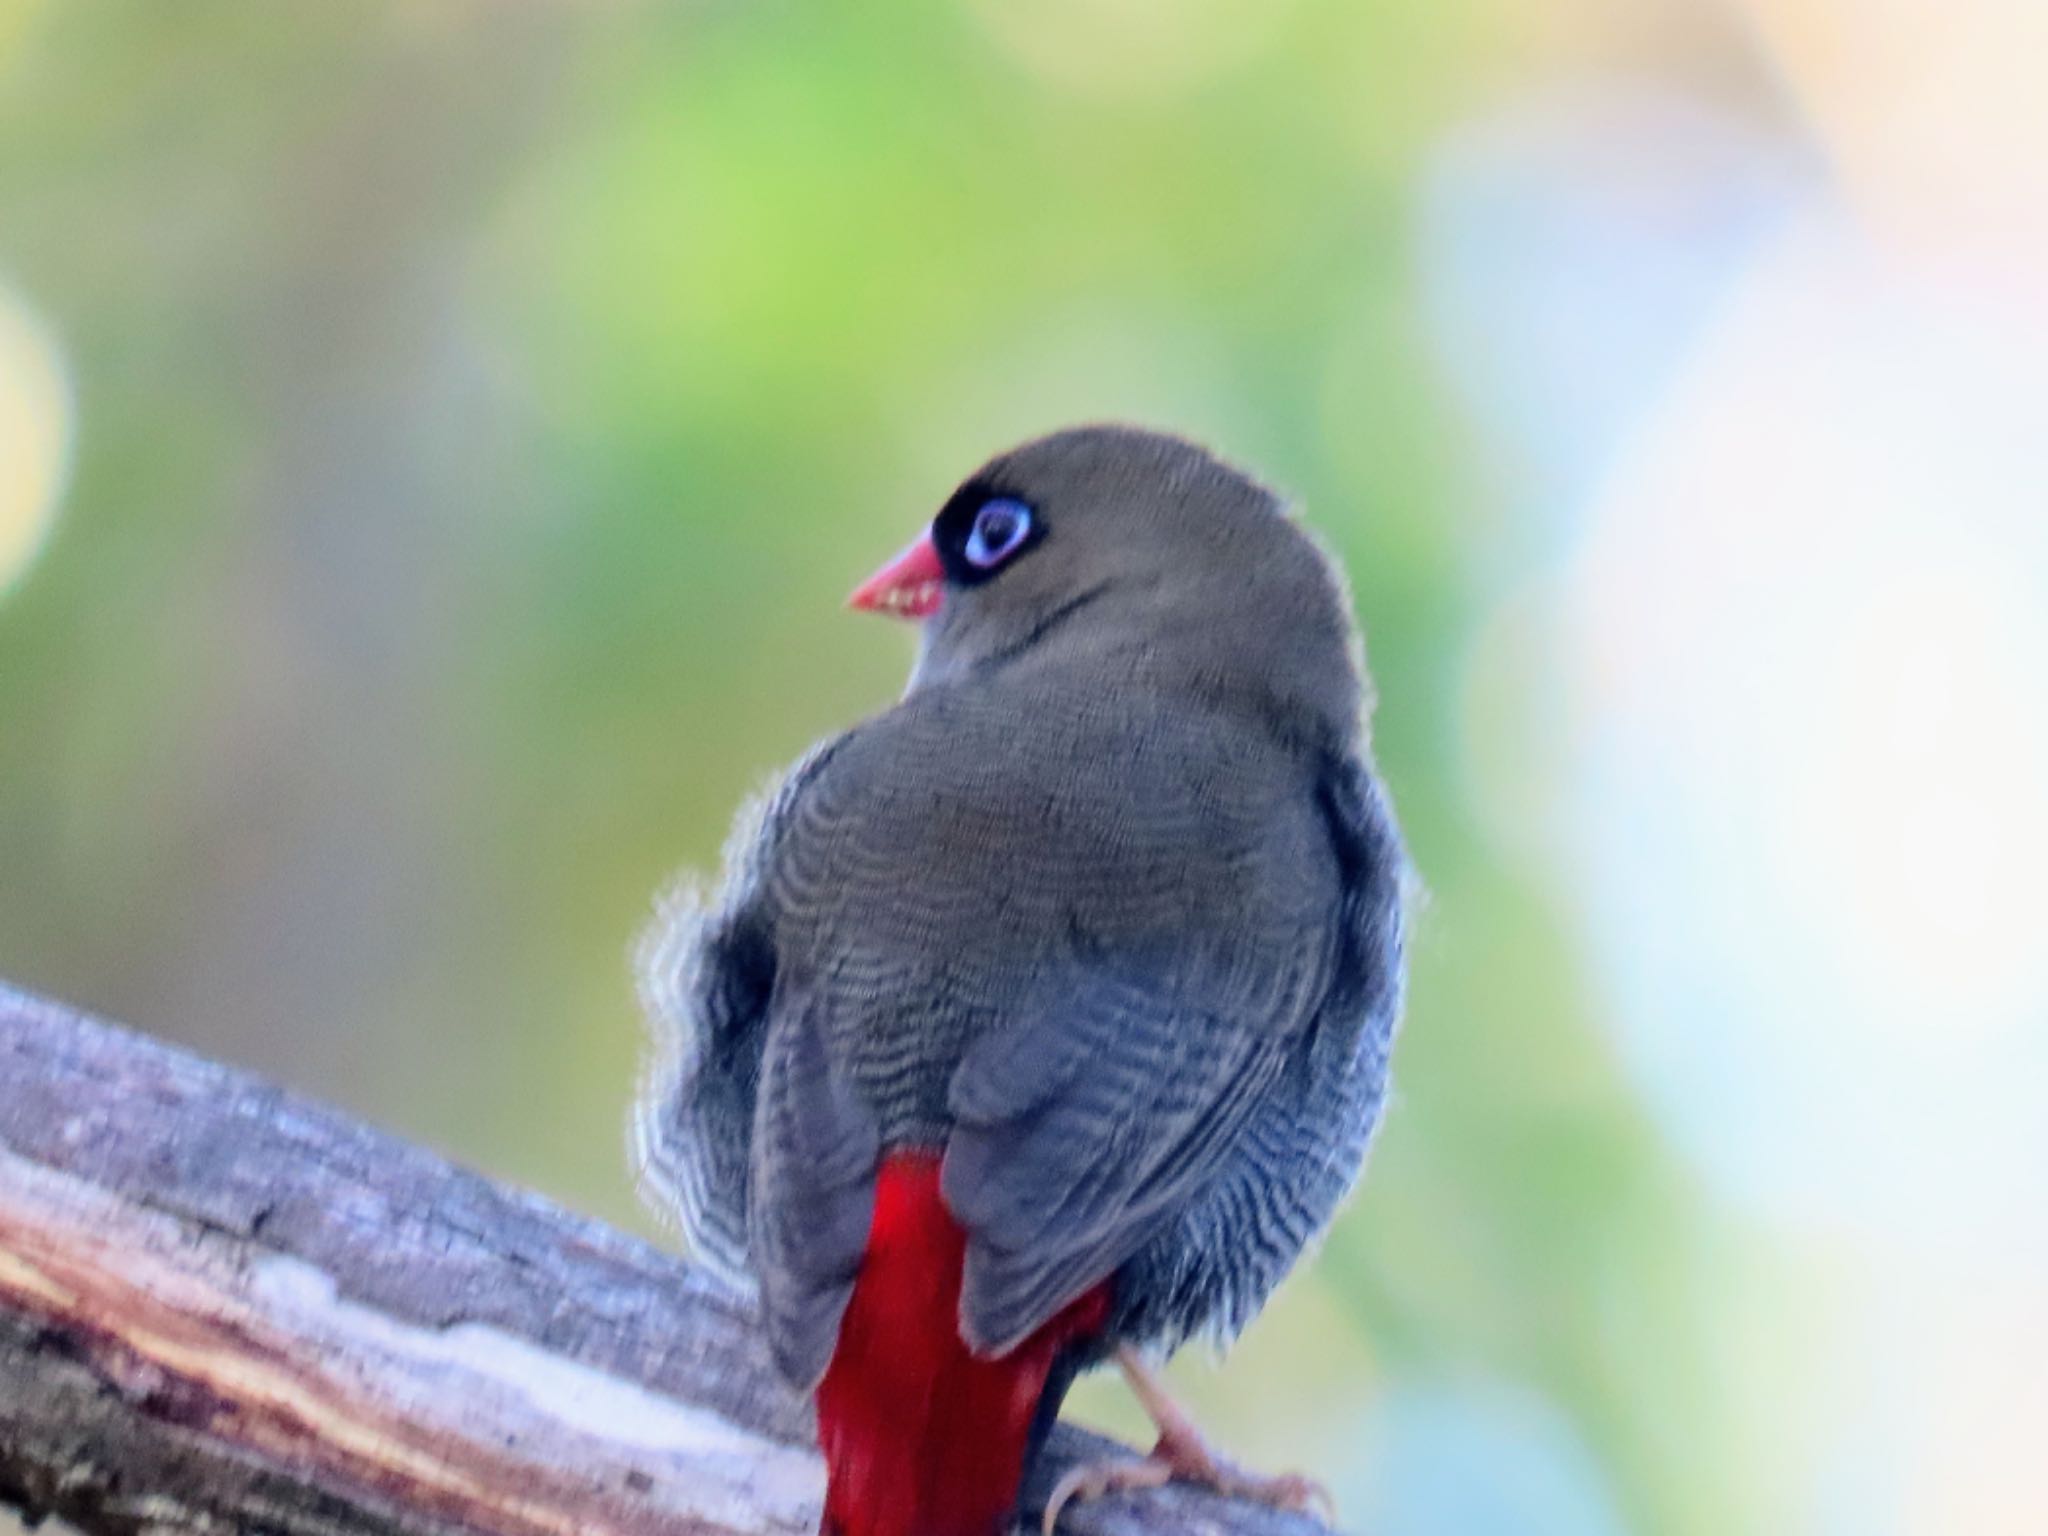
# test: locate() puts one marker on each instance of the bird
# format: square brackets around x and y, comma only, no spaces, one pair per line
[1043,1019]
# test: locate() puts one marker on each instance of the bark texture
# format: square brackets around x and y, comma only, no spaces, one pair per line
[224,1308]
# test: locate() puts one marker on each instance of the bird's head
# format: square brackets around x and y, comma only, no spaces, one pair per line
[1124,553]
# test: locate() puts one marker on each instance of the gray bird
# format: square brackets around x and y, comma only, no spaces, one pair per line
[1044,1017]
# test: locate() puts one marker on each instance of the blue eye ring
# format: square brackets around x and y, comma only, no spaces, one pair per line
[1001,526]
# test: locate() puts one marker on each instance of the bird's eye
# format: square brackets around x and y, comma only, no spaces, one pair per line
[1000,527]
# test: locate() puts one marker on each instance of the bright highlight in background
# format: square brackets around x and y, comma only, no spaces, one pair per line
[1760,699]
[35,437]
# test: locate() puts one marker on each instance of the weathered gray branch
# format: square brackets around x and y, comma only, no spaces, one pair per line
[225,1308]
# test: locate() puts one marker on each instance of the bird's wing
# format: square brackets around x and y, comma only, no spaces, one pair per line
[815,1149]
[1092,1118]
[707,967]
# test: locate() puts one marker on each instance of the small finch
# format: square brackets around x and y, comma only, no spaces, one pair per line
[1043,1019]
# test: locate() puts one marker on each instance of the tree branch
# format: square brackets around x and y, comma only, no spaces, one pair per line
[225,1308]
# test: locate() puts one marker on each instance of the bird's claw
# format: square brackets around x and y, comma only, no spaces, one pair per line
[1174,1460]
[1091,1480]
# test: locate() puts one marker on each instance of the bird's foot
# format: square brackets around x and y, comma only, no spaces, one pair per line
[1092,1479]
[1186,1458]
[1181,1455]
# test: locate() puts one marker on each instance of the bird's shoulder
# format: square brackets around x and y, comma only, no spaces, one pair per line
[1040,825]
[988,765]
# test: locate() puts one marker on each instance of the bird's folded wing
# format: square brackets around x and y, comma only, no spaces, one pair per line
[707,969]
[1082,1129]
[815,1149]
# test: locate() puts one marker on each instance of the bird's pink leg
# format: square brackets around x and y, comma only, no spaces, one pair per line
[1181,1455]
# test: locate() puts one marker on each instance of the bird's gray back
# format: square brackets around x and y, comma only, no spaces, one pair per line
[960,848]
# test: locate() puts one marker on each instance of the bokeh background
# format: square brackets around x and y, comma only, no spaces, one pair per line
[435,439]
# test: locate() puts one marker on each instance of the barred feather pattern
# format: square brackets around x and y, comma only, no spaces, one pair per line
[861,899]
[1301,1156]
[705,968]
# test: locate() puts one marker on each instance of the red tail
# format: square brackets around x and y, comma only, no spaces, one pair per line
[921,1438]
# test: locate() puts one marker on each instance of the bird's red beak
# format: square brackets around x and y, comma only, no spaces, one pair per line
[908,587]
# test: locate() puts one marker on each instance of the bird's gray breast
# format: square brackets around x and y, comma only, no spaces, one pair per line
[963,852]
